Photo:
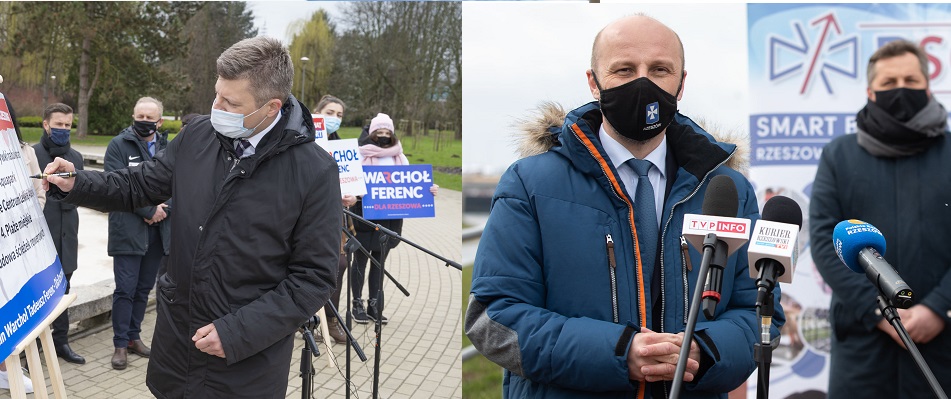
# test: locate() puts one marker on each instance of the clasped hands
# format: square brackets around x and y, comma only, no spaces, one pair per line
[653,357]
[920,321]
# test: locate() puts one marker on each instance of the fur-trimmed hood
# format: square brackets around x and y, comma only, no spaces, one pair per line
[538,132]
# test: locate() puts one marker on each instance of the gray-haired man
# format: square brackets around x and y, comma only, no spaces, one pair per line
[255,230]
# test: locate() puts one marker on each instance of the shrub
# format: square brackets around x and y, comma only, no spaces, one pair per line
[171,126]
[37,121]
[30,121]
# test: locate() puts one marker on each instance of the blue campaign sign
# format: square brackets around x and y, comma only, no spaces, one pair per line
[398,192]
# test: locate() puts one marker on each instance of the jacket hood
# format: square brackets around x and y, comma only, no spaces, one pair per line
[539,131]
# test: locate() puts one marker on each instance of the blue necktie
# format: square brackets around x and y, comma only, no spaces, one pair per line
[152,148]
[241,147]
[645,214]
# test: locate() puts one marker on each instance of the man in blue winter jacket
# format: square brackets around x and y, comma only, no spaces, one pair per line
[582,279]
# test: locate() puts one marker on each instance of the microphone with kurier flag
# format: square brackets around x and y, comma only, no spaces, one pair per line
[31,277]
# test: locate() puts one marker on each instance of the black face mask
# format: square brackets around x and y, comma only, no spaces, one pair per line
[903,104]
[144,128]
[384,141]
[639,109]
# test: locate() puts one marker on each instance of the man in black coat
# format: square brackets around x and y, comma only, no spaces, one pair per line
[139,239]
[894,174]
[255,231]
[62,218]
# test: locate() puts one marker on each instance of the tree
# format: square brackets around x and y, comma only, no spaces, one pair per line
[403,58]
[213,28]
[28,56]
[111,52]
[313,38]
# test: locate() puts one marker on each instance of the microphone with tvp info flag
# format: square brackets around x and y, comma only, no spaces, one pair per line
[717,230]
[861,247]
[717,234]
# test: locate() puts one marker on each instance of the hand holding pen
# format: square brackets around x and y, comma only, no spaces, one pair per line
[54,174]
[64,175]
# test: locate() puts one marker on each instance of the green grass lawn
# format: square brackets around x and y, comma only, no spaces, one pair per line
[480,377]
[446,161]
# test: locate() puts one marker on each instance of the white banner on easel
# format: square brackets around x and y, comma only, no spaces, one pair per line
[31,277]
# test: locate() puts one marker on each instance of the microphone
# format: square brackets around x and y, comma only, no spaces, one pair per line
[861,247]
[773,245]
[718,230]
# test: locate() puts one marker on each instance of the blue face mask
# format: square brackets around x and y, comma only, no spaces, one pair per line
[332,123]
[231,124]
[59,136]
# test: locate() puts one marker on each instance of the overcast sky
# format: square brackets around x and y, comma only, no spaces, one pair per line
[517,55]
[272,18]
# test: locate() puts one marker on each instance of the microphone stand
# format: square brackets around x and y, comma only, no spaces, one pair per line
[307,357]
[354,243]
[393,234]
[384,247]
[311,349]
[711,245]
[763,350]
[885,305]
[352,240]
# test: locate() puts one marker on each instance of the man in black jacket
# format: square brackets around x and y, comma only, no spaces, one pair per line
[894,174]
[139,239]
[255,231]
[61,217]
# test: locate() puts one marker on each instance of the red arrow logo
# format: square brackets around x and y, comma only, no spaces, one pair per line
[830,21]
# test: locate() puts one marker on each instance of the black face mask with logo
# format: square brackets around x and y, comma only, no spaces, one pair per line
[144,128]
[639,109]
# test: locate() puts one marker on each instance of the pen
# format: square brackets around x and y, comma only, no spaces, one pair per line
[63,175]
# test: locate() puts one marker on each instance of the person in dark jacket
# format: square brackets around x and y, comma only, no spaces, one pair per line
[332,109]
[381,147]
[61,217]
[255,230]
[894,174]
[581,282]
[138,240]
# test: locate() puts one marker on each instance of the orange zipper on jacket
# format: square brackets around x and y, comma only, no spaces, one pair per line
[606,168]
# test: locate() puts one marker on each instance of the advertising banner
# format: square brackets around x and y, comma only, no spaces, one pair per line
[31,277]
[320,129]
[807,79]
[347,154]
[398,192]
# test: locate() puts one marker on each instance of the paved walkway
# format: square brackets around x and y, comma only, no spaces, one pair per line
[420,345]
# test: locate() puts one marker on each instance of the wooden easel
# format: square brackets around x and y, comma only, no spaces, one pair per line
[15,375]
[325,333]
